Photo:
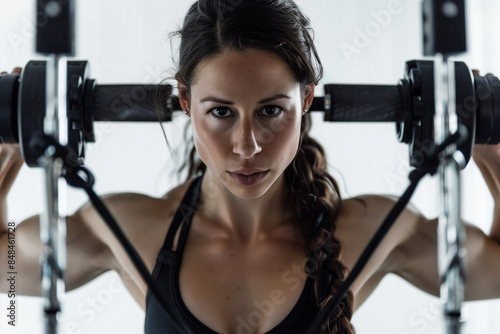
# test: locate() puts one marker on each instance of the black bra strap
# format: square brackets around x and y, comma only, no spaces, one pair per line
[184,213]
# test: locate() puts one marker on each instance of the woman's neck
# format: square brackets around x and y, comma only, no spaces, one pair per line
[245,219]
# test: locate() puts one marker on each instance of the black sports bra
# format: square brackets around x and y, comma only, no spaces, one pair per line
[166,274]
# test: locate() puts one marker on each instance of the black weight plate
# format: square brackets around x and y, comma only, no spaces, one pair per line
[495,98]
[484,110]
[465,107]
[31,108]
[9,88]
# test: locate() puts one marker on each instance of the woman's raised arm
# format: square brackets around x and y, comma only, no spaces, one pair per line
[87,255]
[417,261]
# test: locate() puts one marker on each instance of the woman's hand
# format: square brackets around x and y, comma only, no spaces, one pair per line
[485,154]
[11,159]
[15,70]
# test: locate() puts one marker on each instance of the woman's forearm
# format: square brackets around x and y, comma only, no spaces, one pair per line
[3,216]
[11,161]
[487,159]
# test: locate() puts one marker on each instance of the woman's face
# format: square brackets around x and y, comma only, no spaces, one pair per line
[246,111]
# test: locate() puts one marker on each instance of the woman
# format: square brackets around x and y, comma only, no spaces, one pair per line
[258,239]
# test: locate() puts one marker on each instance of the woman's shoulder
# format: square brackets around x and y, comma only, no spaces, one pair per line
[372,206]
[361,217]
[131,207]
[143,218]
[357,223]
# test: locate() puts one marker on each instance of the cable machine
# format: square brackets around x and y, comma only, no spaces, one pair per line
[439,109]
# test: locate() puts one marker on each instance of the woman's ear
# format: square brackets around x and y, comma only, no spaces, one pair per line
[308,97]
[183,95]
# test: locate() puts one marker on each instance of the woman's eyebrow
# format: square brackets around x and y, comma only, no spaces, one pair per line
[268,99]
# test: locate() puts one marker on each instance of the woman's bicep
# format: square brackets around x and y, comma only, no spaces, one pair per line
[483,265]
[418,260]
[416,256]
[87,255]
[408,250]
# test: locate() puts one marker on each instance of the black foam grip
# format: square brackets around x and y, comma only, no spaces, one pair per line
[363,103]
[130,103]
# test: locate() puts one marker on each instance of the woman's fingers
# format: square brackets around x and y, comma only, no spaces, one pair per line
[476,72]
[15,70]
[11,161]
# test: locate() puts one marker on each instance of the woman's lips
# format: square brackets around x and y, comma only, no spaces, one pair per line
[248,177]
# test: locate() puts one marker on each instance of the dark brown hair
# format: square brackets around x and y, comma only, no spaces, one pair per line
[213,26]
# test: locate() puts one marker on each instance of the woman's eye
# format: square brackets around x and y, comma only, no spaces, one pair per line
[224,112]
[271,111]
[220,112]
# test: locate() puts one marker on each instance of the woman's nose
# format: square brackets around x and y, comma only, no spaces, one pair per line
[245,141]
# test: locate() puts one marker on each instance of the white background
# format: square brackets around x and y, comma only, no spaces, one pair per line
[126,41]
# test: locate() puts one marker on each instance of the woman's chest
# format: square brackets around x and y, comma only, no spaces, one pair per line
[230,287]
